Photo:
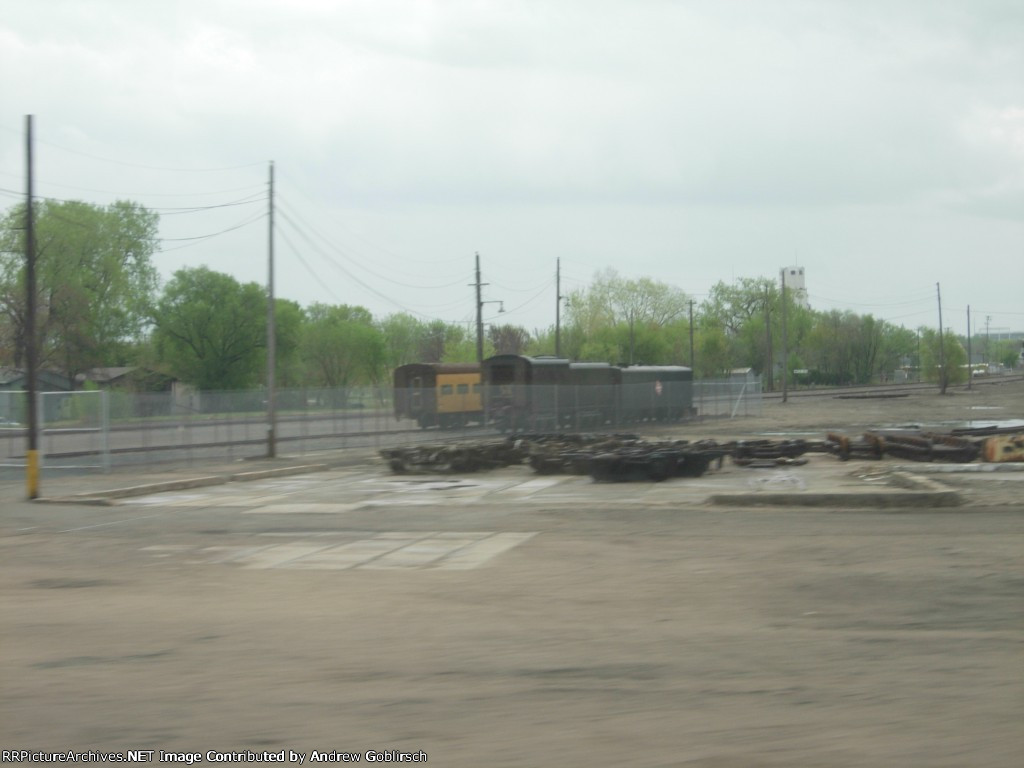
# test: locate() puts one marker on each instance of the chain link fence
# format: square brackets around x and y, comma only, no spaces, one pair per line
[99,430]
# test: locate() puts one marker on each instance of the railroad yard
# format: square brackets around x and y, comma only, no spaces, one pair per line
[829,613]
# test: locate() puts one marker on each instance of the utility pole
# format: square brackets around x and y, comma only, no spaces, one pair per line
[479,314]
[32,454]
[271,330]
[988,320]
[785,349]
[970,362]
[558,307]
[768,339]
[691,336]
[943,378]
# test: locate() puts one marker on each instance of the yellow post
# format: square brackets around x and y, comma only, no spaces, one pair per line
[32,473]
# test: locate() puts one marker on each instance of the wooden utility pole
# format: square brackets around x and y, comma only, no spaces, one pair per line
[691,335]
[768,339]
[271,329]
[785,349]
[970,360]
[32,454]
[479,314]
[943,377]
[558,307]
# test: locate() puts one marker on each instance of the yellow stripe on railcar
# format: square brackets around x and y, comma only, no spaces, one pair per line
[459,393]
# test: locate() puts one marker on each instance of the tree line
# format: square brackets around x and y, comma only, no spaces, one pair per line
[100,304]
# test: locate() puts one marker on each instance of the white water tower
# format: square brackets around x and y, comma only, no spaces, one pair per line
[795,285]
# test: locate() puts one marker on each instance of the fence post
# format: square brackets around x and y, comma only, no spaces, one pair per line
[105,428]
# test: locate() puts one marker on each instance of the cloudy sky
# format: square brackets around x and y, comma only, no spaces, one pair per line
[879,144]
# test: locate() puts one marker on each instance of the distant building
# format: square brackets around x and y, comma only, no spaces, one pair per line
[13,394]
[126,379]
[795,285]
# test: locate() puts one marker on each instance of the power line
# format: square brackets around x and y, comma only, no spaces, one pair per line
[216,234]
[319,280]
[348,258]
[250,200]
[340,223]
[255,197]
[231,190]
[351,276]
[907,303]
[150,167]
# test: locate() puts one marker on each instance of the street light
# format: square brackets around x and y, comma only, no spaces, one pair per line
[480,325]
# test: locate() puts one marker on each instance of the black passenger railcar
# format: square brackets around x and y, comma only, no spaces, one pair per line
[522,393]
[550,393]
[655,393]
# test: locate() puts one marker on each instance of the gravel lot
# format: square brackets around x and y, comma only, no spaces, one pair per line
[614,632]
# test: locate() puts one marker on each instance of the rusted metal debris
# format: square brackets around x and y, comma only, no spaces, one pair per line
[456,457]
[626,457]
[603,457]
[909,445]
[657,461]
[1004,448]
[772,453]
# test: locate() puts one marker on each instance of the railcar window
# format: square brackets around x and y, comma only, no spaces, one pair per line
[462,389]
[446,389]
[476,389]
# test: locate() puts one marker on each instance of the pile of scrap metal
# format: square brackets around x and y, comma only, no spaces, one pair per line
[912,445]
[546,453]
[657,461]
[603,457]
[772,453]
[622,460]
[1004,448]
[455,457]
[1000,443]
[570,454]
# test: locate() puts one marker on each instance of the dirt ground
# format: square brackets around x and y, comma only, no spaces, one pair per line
[618,632]
[986,403]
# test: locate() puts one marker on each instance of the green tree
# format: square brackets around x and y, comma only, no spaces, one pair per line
[1006,352]
[342,346]
[946,365]
[740,311]
[402,333]
[711,351]
[899,348]
[829,350]
[508,339]
[625,320]
[210,330]
[289,320]
[95,281]
[460,344]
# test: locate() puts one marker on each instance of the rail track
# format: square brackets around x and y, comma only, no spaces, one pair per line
[889,390]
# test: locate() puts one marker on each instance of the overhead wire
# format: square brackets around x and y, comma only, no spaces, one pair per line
[304,263]
[257,217]
[161,194]
[148,167]
[351,276]
[432,263]
[284,210]
[176,211]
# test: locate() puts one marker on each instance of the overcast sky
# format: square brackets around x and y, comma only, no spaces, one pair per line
[879,145]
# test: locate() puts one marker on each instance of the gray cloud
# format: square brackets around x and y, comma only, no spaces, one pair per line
[742,135]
